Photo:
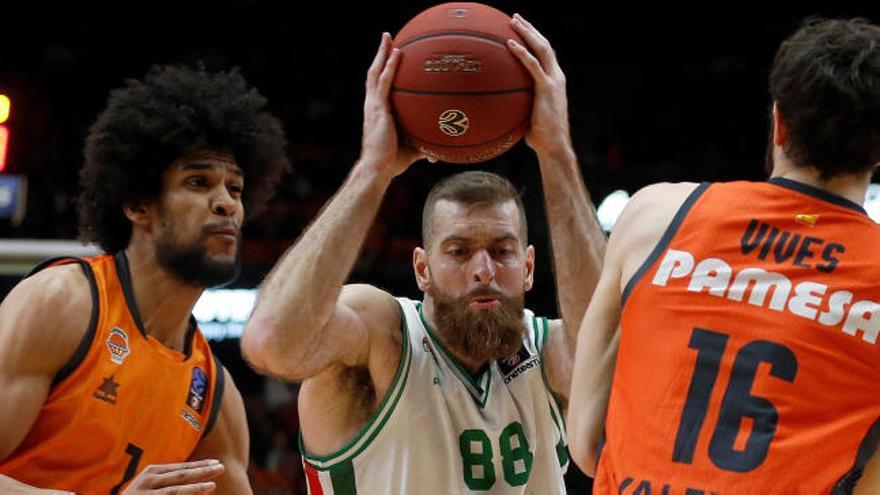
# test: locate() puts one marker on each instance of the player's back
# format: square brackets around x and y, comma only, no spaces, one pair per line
[747,359]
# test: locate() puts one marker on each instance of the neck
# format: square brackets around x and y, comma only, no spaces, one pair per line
[164,303]
[850,186]
[472,365]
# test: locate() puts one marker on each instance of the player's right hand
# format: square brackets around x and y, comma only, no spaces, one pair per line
[185,478]
[380,145]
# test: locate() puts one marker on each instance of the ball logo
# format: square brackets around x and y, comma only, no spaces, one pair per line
[454,123]
[458,12]
[449,62]
[117,342]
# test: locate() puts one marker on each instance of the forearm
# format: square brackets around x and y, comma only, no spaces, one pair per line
[590,391]
[10,486]
[577,240]
[300,294]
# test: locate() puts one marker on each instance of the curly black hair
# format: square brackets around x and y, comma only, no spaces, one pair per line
[149,124]
[825,81]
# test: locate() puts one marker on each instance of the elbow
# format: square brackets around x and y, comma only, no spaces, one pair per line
[583,446]
[258,347]
[583,456]
[252,345]
[266,349]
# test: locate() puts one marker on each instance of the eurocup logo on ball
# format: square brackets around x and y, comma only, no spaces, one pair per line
[454,123]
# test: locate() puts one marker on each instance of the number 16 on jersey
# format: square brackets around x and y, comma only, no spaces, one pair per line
[737,405]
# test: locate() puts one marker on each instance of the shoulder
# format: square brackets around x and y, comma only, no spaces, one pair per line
[378,310]
[553,330]
[541,322]
[643,222]
[47,314]
[59,282]
[555,326]
[655,203]
[543,330]
[65,290]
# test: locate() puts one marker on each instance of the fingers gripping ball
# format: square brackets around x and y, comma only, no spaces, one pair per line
[459,95]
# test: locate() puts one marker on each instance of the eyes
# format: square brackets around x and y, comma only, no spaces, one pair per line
[202,182]
[501,251]
[196,182]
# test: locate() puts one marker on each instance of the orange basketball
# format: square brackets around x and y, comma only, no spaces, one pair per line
[459,94]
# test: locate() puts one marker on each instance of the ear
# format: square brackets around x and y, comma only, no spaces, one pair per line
[780,128]
[138,213]
[530,268]
[420,267]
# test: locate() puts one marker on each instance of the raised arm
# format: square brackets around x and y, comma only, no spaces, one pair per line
[594,365]
[576,236]
[639,229]
[301,325]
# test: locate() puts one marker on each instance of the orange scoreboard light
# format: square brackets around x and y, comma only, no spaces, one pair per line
[5,106]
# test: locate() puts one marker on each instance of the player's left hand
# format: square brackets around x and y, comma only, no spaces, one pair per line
[549,131]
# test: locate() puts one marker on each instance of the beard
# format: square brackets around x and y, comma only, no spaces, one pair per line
[482,335]
[191,264]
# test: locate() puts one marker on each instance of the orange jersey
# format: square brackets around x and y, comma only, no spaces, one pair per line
[748,359]
[123,402]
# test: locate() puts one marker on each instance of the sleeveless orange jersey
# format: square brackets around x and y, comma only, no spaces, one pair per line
[748,359]
[123,402]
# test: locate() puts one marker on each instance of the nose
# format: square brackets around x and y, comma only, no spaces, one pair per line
[223,204]
[483,267]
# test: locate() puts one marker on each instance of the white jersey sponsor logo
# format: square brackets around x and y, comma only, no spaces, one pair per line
[774,291]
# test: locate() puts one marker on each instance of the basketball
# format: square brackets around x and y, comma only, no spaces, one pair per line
[459,95]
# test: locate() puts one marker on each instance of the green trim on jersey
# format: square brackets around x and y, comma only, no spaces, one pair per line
[479,391]
[342,479]
[541,343]
[537,335]
[377,421]
[545,334]
[561,447]
[554,404]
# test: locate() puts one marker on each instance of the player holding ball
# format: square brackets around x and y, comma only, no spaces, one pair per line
[463,391]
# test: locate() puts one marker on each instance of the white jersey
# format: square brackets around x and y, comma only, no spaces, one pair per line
[440,431]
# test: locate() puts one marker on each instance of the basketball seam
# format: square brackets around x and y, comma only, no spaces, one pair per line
[474,34]
[458,146]
[463,93]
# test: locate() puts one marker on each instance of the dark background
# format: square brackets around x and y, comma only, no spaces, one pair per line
[655,94]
